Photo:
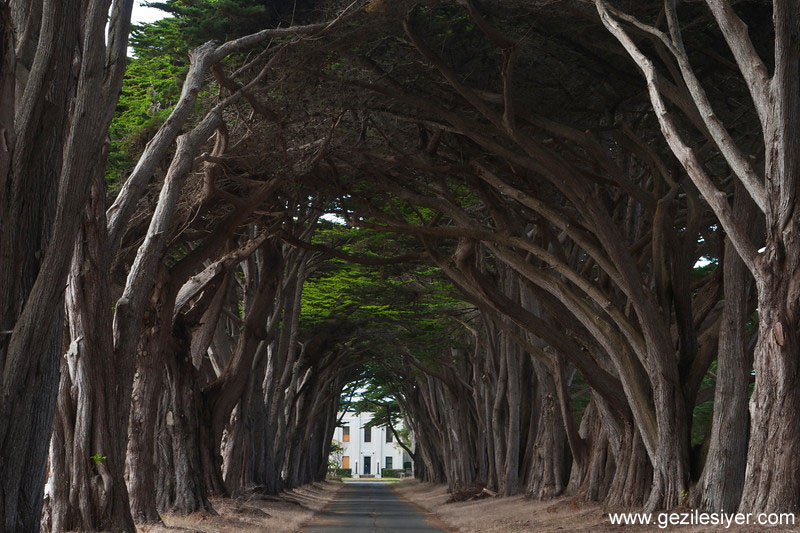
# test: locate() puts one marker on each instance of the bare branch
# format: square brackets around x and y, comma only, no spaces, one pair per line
[715,198]
[201,60]
[198,282]
[750,64]
[738,163]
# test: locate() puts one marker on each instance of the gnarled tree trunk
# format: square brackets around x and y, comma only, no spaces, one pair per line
[52,148]
[89,439]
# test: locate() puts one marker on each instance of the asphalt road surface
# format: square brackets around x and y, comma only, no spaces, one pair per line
[367,507]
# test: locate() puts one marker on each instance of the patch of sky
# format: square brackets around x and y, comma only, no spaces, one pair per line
[333,217]
[703,261]
[142,13]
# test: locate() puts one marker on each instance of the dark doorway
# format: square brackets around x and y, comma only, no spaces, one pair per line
[367,465]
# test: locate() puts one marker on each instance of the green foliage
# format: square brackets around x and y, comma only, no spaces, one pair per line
[98,459]
[399,311]
[335,456]
[349,393]
[150,90]
[398,307]
[161,58]
[701,421]
[405,438]
[162,38]
[703,412]
[377,399]
[193,22]
[391,472]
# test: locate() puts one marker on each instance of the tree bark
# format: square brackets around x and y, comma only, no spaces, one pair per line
[550,467]
[89,440]
[32,151]
[61,117]
[148,383]
[720,485]
[771,483]
[183,433]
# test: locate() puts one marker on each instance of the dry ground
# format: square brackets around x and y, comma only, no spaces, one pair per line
[518,514]
[254,514]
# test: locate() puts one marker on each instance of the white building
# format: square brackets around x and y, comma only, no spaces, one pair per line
[367,451]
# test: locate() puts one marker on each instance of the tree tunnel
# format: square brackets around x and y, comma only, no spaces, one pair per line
[558,238]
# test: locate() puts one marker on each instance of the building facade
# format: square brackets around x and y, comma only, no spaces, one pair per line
[368,451]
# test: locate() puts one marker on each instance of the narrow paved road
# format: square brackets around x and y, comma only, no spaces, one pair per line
[367,507]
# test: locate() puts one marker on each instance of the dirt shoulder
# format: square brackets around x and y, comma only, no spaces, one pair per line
[519,514]
[506,515]
[254,513]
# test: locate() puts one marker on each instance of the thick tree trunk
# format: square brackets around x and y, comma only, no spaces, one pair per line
[141,468]
[258,470]
[229,388]
[26,443]
[89,440]
[670,471]
[31,161]
[499,416]
[183,434]
[633,476]
[325,437]
[55,144]
[510,483]
[550,465]
[269,476]
[771,481]
[255,465]
[486,388]
[591,477]
[235,449]
[720,485]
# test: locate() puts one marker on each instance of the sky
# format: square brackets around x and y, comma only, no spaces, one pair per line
[145,14]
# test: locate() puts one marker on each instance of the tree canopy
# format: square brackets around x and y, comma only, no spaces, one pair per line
[558,238]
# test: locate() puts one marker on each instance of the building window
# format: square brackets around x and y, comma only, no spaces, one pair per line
[388,436]
[346,461]
[346,434]
[367,434]
[388,462]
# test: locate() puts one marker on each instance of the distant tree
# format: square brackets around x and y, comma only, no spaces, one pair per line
[335,456]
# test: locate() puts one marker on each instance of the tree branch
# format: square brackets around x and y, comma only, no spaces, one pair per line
[715,198]
[717,131]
